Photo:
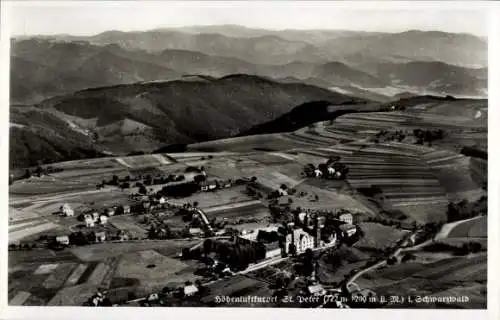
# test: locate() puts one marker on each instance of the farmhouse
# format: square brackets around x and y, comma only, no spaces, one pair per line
[153,297]
[316,290]
[63,240]
[103,219]
[146,205]
[66,210]
[100,236]
[347,218]
[95,216]
[110,211]
[123,235]
[282,192]
[302,217]
[318,173]
[89,221]
[208,185]
[190,290]
[331,170]
[124,209]
[348,229]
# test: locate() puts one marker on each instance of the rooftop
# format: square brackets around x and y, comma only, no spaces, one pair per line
[190,289]
[315,288]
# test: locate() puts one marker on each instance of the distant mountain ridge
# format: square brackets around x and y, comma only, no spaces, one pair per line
[319,46]
[45,68]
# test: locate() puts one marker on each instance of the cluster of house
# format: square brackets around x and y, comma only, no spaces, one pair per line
[98,236]
[93,218]
[307,231]
[149,201]
[97,299]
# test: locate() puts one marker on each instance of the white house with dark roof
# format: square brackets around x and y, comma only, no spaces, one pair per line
[63,240]
[89,221]
[316,290]
[190,290]
[318,173]
[347,218]
[126,209]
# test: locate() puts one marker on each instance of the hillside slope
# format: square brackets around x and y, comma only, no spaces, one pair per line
[146,116]
[39,136]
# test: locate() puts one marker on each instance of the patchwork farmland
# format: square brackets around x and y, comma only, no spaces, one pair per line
[72,282]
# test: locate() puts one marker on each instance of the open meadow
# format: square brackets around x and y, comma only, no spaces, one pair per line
[379,237]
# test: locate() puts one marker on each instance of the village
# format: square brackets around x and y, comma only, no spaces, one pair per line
[225,247]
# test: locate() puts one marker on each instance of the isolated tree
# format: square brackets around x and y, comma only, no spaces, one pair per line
[143,190]
[323,168]
[27,173]
[207,246]
[308,262]
[199,178]
[332,160]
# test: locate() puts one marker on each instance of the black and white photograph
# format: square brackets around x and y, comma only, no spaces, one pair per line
[246,154]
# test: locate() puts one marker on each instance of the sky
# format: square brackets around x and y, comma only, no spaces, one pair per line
[89,18]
